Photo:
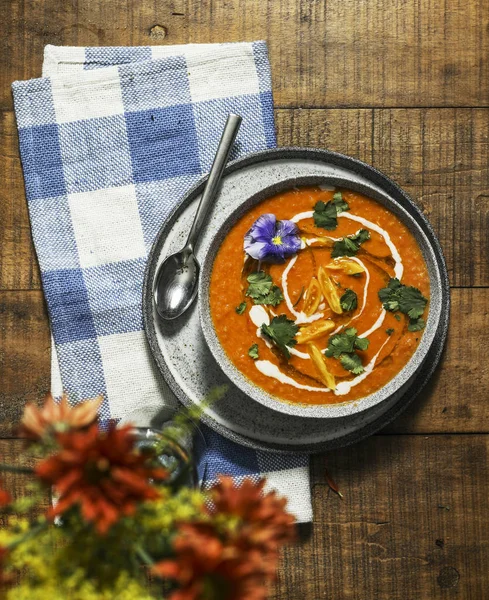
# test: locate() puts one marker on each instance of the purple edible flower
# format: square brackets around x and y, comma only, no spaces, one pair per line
[270,240]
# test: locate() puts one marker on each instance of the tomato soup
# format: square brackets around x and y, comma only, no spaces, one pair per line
[319,296]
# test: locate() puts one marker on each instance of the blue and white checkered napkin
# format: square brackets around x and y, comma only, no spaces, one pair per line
[110,138]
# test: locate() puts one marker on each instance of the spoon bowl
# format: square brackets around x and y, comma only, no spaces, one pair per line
[176,284]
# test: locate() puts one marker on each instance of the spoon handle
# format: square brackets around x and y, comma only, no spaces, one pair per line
[220,160]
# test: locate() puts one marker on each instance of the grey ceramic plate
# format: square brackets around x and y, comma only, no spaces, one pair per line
[181,352]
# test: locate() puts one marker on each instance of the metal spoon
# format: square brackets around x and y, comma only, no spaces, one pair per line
[175,285]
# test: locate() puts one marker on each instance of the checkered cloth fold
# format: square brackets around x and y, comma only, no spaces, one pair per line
[110,139]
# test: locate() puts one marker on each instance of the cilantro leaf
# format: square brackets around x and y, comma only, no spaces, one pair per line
[406,299]
[340,203]
[416,324]
[260,284]
[352,362]
[241,308]
[325,213]
[390,331]
[341,343]
[262,290]
[350,245]
[281,332]
[253,352]
[273,297]
[343,346]
[361,343]
[349,300]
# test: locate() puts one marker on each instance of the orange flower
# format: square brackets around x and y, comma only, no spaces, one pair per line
[268,525]
[101,472]
[235,563]
[58,417]
[207,569]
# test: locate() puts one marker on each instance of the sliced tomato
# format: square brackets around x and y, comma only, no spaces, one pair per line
[318,360]
[329,291]
[312,297]
[314,330]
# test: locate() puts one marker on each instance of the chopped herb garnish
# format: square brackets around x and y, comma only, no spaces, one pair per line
[350,245]
[349,300]
[341,205]
[397,317]
[344,345]
[406,299]
[281,332]
[347,341]
[352,362]
[241,308]
[253,352]
[416,324]
[390,331]
[262,290]
[325,213]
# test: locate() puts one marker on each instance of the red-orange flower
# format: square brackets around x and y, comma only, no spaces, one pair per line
[58,417]
[207,568]
[5,498]
[101,472]
[230,563]
[267,523]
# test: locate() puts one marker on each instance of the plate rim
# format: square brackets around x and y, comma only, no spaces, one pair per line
[433,356]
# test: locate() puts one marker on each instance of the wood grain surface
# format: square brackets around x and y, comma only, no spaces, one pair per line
[403,85]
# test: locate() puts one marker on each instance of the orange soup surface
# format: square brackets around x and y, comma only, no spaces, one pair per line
[313,329]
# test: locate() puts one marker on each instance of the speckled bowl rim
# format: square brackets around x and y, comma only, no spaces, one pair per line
[321,411]
[426,370]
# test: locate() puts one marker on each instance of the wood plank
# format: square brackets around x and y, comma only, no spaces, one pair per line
[445,407]
[413,523]
[18,263]
[12,452]
[24,355]
[441,157]
[335,53]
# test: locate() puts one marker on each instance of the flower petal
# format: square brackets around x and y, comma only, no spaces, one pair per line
[285,228]
[264,227]
[256,249]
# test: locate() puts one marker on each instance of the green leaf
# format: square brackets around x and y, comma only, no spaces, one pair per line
[241,308]
[416,324]
[350,245]
[349,300]
[274,297]
[389,331]
[343,342]
[260,284]
[397,317]
[262,290]
[253,351]
[361,343]
[325,213]
[344,345]
[340,204]
[406,299]
[352,362]
[281,332]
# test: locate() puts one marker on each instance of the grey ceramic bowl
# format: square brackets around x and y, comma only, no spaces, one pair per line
[396,386]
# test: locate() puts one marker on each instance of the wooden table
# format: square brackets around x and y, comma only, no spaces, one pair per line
[403,85]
